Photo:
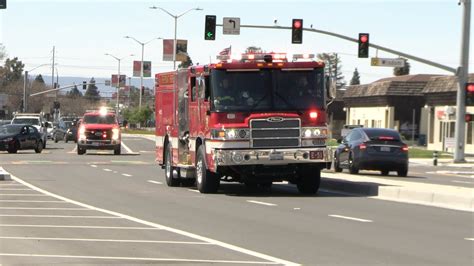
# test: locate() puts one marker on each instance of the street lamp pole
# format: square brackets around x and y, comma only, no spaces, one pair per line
[141,68]
[175,26]
[25,84]
[118,79]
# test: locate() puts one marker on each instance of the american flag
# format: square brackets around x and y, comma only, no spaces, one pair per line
[226,51]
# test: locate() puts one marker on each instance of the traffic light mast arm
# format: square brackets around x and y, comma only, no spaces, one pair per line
[340,36]
[65,87]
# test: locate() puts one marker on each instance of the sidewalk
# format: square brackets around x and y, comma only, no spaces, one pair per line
[444,162]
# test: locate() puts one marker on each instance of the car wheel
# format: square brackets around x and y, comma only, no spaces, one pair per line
[384,172]
[14,148]
[206,181]
[352,168]
[337,167]
[309,180]
[402,172]
[80,151]
[170,181]
[56,139]
[118,150]
[39,146]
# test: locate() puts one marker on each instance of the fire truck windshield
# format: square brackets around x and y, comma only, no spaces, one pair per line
[97,119]
[267,90]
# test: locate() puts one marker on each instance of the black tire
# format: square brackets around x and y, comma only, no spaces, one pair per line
[80,151]
[206,181]
[309,180]
[384,172]
[337,168]
[170,181]
[55,138]
[118,150]
[353,170]
[402,172]
[13,148]
[39,146]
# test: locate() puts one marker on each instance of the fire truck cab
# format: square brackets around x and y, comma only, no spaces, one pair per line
[256,119]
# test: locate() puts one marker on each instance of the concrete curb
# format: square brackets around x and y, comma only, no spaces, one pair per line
[449,197]
[4,175]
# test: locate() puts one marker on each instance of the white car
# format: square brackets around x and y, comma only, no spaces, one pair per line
[35,120]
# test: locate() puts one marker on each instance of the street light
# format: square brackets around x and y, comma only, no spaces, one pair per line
[25,83]
[141,68]
[175,26]
[118,77]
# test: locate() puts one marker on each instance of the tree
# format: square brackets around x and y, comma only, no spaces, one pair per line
[186,63]
[12,71]
[253,50]
[355,78]
[74,93]
[92,92]
[39,79]
[401,71]
[333,67]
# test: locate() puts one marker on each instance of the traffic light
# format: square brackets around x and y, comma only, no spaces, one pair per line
[84,85]
[210,28]
[363,45]
[469,94]
[469,118]
[297,31]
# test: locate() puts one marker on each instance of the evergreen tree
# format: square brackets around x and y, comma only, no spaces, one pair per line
[92,92]
[39,79]
[355,78]
[401,71]
[74,93]
[12,71]
[333,68]
[186,63]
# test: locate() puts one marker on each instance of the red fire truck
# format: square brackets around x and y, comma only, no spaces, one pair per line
[256,119]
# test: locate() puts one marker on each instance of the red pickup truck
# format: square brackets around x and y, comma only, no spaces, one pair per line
[99,130]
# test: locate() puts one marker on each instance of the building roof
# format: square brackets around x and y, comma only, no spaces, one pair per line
[409,78]
[387,88]
[442,84]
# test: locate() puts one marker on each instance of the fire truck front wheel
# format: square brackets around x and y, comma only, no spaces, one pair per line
[206,181]
[309,179]
[170,180]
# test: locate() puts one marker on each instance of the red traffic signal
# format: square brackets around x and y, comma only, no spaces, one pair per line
[363,51]
[469,118]
[470,94]
[297,31]
[297,23]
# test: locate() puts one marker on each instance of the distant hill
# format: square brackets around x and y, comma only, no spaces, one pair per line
[104,90]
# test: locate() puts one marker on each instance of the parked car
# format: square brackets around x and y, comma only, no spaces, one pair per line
[372,149]
[20,137]
[65,130]
[35,120]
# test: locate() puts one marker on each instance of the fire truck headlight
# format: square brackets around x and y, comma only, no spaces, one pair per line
[317,132]
[314,132]
[307,133]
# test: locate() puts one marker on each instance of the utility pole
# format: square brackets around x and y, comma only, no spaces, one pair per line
[24,92]
[335,68]
[52,69]
[462,74]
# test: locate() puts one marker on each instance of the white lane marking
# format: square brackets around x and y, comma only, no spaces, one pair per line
[469,239]
[262,203]
[296,208]
[59,216]
[93,165]
[41,208]
[127,148]
[10,189]
[105,240]
[249,252]
[155,182]
[147,151]
[462,182]
[74,150]
[126,175]
[350,218]
[28,195]
[107,170]
[194,190]
[134,258]
[79,226]
[36,201]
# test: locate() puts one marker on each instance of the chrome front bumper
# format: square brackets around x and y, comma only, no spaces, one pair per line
[271,156]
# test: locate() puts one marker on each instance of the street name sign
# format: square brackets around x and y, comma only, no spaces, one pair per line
[231,26]
[387,62]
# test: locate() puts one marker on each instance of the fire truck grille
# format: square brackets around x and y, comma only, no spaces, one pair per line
[275,132]
[98,134]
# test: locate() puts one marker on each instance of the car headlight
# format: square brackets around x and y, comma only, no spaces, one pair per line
[232,133]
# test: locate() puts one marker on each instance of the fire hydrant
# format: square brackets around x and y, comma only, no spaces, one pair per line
[435,158]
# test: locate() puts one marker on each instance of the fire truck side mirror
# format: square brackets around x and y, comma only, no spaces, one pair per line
[331,87]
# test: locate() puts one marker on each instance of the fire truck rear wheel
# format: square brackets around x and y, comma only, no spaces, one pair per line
[309,179]
[170,181]
[206,181]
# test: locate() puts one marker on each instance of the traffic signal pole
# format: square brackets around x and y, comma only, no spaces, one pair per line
[462,74]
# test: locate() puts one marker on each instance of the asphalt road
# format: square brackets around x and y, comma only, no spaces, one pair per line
[118,209]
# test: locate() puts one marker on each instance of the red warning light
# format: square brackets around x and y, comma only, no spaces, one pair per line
[297,24]
[364,38]
[470,88]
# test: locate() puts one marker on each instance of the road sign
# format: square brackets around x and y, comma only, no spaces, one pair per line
[231,26]
[387,62]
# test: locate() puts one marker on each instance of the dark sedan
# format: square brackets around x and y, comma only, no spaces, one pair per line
[66,130]
[20,137]
[372,149]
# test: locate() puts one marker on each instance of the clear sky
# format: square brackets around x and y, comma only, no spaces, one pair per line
[82,31]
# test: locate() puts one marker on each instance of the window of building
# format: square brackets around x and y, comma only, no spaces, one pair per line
[452,126]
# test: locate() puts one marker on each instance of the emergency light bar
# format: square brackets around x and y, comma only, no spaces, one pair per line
[266,57]
[303,56]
